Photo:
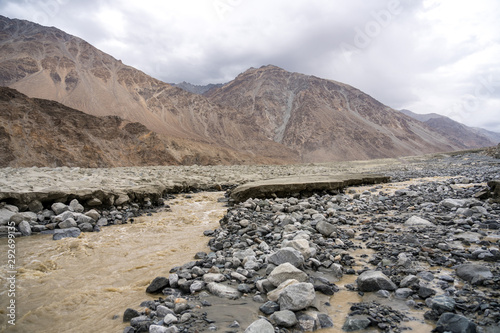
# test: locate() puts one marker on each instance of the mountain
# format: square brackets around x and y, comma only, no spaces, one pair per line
[462,135]
[325,120]
[196,89]
[45,62]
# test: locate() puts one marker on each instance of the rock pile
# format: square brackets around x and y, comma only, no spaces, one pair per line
[69,220]
[287,254]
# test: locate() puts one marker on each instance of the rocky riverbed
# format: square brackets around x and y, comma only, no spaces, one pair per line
[434,237]
[419,252]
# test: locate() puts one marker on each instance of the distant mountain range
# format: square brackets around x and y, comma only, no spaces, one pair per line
[265,115]
[468,137]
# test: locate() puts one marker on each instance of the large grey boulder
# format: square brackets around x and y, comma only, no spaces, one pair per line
[374,281]
[59,208]
[285,318]
[68,223]
[24,228]
[260,326]
[75,206]
[301,245]
[473,273]
[5,216]
[297,296]
[223,291]
[450,322]
[274,294]
[326,228]
[285,272]
[287,254]
[441,303]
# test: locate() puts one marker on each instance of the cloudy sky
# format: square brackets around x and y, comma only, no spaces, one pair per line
[422,55]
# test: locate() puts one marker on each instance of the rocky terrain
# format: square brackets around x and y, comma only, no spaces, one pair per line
[424,246]
[435,246]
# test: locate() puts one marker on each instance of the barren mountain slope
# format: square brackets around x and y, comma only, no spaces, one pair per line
[325,120]
[47,63]
[38,132]
[462,135]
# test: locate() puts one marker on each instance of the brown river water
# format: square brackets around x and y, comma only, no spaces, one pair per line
[85,283]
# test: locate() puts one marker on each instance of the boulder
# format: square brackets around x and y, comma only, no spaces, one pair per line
[223,291]
[35,206]
[357,323]
[473,273]
[325,228]
[122,199]
[286,255]
[285,318]
[68,223]
[260,326]
[5,216]
[285,272]
[25,228]
[450,322]
[441,303]
[301,245]
[59,208]
[297,296]
[75,206]
[374,281]
[274,294]
[416,221]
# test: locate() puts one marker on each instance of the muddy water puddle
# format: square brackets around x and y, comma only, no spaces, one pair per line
[81,284]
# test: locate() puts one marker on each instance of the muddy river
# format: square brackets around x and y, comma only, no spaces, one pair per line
[85,283]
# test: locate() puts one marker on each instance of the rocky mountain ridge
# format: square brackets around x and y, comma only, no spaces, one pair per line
[265,115]
[38,132]
[325,120]
[465,136]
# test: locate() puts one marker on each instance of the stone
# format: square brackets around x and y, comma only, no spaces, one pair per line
[473,273]
[285,318]
[59,208]
[297,296]
[141,323]
[453,203]
[129,314]
[214,277]
[93,214]
[68,223]
[286,255]
[5,216]
[75,206]
[441,303]
[94,202]
[260,326]
[325,228]
[122,199]
[35,206]
[157,285]
[158,329]
[17,218]
[269,307]
[374,281]
[25,228]
[170,319]
[301,245]
[64,233]
[162,311]
[285,272]
[306,322]
[324,321]
[416,221]
[403,293]
[196,286]
[274,294]
[81,218]
[223,291]
[425,292]
[242,254]
[450,322]
[357,323]
[85,227]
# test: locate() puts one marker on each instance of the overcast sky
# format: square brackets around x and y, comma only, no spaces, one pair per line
[425,56]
